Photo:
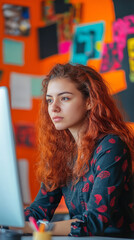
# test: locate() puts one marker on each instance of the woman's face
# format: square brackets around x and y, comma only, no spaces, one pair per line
[66,106]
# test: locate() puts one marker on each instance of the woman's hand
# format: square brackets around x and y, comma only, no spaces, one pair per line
[26,229]
[62,228]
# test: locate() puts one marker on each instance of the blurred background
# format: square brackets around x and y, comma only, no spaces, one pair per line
[37,34]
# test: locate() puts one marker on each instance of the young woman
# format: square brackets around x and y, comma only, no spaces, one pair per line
[86,155]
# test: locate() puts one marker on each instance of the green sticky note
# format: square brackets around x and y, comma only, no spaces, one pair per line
[36,86]
[13,52]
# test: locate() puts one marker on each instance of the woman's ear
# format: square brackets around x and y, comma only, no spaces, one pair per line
[89,104]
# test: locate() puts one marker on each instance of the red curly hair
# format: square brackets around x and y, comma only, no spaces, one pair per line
[58,148]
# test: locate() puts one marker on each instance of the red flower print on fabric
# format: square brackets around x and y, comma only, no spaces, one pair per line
[85,229]
[91,178]
[111,189]
[132,226]
[90,234]
[98,198]
[92,161]
[120,222]
[102,218]
[27,212]
[98,168]
[117,158]
[102,208]
[112,140]
[124,165]
[72,205]
[84,179]
[104,174]
[131,205]
[85,188]
[128,180]
[43,209]
[52,211]
[43,191]
[74,226]
[124,150]
[51,199]
[84,205]
[108,151]
[72,189]
[95,160]
[99,149]
[126,187]
[112,202]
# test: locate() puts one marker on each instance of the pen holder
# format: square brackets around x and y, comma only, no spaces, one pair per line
[42,235]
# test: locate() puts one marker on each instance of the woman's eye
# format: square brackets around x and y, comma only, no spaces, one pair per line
[49,101]
[65,98]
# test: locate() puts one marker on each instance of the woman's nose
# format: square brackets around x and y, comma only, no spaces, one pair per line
[55,106]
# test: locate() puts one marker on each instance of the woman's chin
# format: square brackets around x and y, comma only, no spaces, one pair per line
[59,127]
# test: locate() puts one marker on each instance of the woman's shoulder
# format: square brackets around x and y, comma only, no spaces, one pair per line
[110,143]
[110,139]
[110,149]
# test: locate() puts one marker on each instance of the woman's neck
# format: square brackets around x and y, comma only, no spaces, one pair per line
[79,132]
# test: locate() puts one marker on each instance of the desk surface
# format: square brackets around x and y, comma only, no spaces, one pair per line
[81,238]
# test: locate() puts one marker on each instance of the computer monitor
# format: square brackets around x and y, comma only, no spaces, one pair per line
[11,205]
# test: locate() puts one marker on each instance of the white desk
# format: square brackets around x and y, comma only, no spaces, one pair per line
[7,236]
[81,238]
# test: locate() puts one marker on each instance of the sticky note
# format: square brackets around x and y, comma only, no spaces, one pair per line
[13,52]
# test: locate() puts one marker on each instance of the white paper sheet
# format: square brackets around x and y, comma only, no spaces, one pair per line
[20,85]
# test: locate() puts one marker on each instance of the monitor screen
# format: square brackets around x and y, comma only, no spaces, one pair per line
[11,205]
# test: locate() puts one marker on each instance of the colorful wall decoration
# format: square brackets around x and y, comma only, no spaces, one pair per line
[34,35]
[87,42]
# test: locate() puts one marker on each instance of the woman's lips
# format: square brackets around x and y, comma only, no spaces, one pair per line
[57,119]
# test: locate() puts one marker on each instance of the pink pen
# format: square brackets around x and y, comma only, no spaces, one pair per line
[34,223]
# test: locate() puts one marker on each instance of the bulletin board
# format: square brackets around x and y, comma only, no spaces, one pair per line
[35,35]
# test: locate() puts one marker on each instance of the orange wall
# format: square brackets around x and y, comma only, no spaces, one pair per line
[93,11]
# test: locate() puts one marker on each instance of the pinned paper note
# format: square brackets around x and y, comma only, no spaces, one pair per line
[48,41]
[16,19]
[20,85]
[87,42]
[23,88]
[13,52]
[24,134]
[36,85]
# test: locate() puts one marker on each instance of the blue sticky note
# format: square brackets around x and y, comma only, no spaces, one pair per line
[36,86]
[13,52]
[87,42]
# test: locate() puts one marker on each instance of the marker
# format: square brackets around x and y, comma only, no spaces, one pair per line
[34,223]
[42,227]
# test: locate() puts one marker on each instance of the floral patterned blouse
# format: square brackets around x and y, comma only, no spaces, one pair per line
[102,199]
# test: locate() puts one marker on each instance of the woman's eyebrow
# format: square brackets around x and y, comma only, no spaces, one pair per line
[60,94]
